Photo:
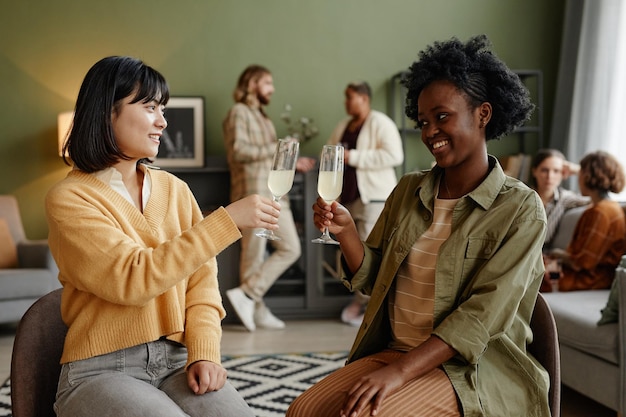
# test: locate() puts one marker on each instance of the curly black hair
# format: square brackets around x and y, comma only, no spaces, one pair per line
[476,70]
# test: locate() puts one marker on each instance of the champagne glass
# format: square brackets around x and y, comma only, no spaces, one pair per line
[280,179]
[330,182]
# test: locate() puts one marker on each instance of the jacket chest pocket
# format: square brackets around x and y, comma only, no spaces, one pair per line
[480,248]
[477,253]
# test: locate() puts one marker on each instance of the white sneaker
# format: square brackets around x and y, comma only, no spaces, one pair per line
[353,313]
[243,306]
[264,318]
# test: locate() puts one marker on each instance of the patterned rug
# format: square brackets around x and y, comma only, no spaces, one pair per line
[5,399]
[269,383]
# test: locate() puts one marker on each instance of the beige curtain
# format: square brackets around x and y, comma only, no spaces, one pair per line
[590,106]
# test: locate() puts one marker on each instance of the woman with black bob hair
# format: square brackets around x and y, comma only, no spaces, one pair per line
[137,263]
[453,264]
[91,144]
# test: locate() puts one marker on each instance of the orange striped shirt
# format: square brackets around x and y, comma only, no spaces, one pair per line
[412,303]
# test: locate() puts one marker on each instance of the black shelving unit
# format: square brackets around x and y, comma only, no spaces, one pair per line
[533,79]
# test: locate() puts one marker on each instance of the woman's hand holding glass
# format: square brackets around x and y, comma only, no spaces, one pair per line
[330,182]
[331,216]
[253,212]
[280,179]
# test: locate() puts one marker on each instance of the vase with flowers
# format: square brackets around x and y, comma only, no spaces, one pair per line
[301,128]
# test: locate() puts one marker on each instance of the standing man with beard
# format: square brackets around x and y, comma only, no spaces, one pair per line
[250,139]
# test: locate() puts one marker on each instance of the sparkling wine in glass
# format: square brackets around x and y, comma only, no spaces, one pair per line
[330,182]
[280,179]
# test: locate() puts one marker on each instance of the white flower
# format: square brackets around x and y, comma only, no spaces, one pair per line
[302,129]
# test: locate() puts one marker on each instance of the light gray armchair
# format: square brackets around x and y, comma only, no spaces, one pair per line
[35,274]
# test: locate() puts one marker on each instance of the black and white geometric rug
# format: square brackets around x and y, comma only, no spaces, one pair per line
[268,383]
[5,399]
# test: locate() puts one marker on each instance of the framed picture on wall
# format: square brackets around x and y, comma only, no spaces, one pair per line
[182,142]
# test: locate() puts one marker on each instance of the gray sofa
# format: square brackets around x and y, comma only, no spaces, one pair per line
[35,274]
[593,357]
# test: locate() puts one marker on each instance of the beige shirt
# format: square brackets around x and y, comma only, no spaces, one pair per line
[412,303]
[114,178]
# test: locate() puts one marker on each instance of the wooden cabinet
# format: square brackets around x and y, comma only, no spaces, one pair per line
[308,288]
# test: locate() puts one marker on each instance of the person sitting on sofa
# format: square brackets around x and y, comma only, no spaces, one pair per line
[599,239]
[549,168]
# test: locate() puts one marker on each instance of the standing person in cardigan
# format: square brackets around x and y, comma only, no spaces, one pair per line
[453,264]
[372,150]
[250,139]
[137,261]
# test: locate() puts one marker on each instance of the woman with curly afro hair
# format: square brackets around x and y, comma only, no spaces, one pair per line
[599,239]
[453,264]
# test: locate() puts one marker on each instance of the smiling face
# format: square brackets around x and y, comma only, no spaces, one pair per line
[451,129]
[137,127]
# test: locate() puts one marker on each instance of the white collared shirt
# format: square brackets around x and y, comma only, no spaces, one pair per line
[113,177]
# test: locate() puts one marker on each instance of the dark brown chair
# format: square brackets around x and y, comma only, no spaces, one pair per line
[545,347]
[35,366]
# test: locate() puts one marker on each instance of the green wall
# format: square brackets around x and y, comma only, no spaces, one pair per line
[312,47]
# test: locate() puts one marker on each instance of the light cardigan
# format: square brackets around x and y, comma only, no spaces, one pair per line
[378,151]
[130,277]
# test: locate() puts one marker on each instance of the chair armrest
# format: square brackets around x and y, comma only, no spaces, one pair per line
[35,254]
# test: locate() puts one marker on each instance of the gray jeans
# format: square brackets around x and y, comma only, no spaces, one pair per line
[145,380]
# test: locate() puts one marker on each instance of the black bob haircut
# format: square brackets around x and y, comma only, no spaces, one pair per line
[91,144]
[475,70]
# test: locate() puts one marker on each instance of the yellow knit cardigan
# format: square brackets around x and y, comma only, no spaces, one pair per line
[130,277]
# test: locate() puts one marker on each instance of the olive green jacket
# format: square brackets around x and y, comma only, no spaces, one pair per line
[486,282]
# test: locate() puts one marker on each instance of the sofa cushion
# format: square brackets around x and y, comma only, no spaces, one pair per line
[576,314]
[567,224]
[26,283]
[8,250]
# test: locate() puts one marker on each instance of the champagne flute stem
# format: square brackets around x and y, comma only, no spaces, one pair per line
[266,233]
